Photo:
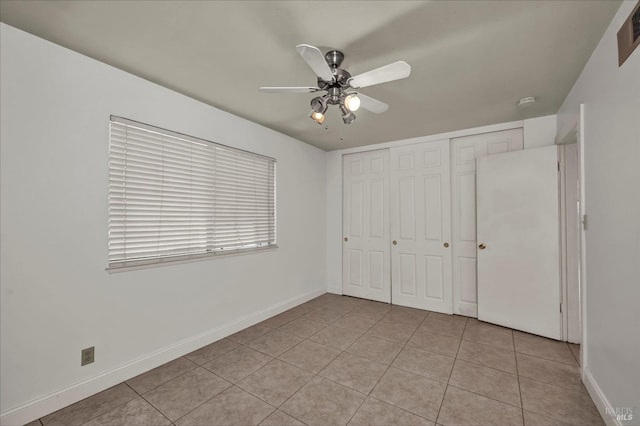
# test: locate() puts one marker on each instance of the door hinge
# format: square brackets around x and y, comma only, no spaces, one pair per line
[558,166]
[561,308]
[585,222]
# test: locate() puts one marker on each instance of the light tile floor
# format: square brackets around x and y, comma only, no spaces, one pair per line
[338,360]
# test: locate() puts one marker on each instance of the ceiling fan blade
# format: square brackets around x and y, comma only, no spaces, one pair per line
[394,71]
[372,105]
[315,59]
[289,89]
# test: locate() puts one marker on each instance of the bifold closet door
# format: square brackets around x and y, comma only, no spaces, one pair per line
[366,253]
[421,226]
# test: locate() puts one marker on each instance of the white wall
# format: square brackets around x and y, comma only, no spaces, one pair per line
[57,297]
[611,96]
[539,131]
[334,221]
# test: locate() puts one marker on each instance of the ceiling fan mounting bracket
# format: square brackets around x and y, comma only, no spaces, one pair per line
[334,58]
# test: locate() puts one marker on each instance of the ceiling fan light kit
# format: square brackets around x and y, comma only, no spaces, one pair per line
[338,82]
[318,108]
[347,116]
[352,102]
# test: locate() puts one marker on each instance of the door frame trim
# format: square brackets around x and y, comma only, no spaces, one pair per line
[583,249]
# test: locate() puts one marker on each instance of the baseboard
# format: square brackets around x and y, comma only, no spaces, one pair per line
[334,290]
[47,404]
[599,399]
[468,309]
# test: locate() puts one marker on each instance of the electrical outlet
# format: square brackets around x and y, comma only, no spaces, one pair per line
[87,356]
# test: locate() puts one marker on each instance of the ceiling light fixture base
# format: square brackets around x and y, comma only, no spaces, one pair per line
[526,102]
[334,58]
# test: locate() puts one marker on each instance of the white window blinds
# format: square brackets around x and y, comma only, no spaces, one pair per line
[174,197]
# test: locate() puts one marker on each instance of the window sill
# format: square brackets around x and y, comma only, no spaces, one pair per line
[177,260]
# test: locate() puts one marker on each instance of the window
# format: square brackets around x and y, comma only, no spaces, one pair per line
[175,197]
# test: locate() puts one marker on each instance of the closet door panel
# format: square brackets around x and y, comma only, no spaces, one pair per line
[366,261]
[464,152]
[420,226]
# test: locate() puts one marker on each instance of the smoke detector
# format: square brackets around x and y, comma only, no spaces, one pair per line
[526,102]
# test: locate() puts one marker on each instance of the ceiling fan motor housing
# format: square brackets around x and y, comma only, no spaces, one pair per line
[340,79]
[340,82]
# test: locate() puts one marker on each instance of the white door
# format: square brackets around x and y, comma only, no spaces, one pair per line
[366,254]
[519,241]
[569,233]
[464,152]
[421,226]
[582,240]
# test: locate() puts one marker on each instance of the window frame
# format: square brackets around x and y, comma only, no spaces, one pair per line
[136,263]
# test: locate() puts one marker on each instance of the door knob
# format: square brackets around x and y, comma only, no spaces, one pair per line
[446,245]
[346,239]
[395,243]
[482,246]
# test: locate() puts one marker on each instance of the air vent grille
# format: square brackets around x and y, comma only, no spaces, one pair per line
[629,35]
[635,22]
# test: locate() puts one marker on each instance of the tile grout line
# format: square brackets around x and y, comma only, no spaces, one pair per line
[267,402]
[385,371]
[148,402]
[566,344]
[495,369]
[236,383]
[389,366]
[313,374]
[196,365]
[488,366]
[317,374]
[255,396]
[513,337]
[399,408]
[483,396]
[474,392]
[199,405]
[343,351]
[451,372]
[515,355]
[367,394]
[111,409]
[547,359]
[536,379]
[273,358]
[545,414]
[517,374]
[491,368]
[561,388]
[574,355]
[245,344]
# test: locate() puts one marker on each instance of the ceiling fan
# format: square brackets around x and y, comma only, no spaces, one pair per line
[340,85]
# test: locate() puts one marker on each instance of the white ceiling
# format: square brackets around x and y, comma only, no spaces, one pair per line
[471,60]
